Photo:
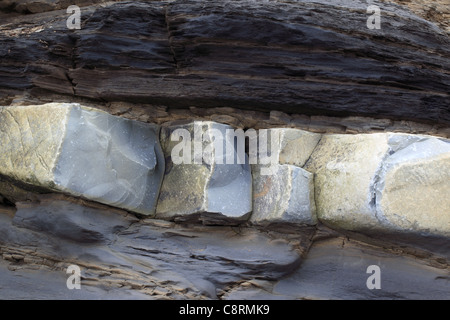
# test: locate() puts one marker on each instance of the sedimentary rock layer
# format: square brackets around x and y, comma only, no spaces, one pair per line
[122,258]
[146,259]
[384,182]
[327,209]
[308,57]
[82,152]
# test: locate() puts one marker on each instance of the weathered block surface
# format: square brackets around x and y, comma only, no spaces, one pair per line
[282,190]
[83,152]
[393,182]
[204,185]
[344,167]
[414,187]
[294,146]
[285,196]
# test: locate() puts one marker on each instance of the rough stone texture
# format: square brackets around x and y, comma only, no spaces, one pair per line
[307,64]
[70,221]
[212,188]
[303,57]
[377,181]
[123,258]
[241,118]
[83,152]
[345,167]
[336,269]
[282,190]
[413,187]
[431,10]
[153,259]
[436,11]
[31,138]
[285,196]
[295,146]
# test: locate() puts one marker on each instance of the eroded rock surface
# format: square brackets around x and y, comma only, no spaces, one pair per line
[151,258]
[84,152]
[201,180]
[381,199]
[302,57]
[336,269]
[378,181]
[286,195]
[411,188]
[282,190]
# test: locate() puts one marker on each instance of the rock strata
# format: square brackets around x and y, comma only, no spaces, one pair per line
[121,257]
[312,58]
[100,168]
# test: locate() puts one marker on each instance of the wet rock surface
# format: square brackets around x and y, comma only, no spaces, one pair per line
[155,259]
[152,258]
[363,183]
[336,269]
[188,53]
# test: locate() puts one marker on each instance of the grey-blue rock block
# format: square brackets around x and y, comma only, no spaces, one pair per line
[83,152]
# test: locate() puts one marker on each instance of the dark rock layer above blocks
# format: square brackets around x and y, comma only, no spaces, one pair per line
[304,57]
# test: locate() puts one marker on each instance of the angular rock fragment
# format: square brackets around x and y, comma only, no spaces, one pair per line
[283,191]
[83,152]
[285,196]
[286,145]
[199,179]
[414,188]
[345,167]
[295,145]
[388,182]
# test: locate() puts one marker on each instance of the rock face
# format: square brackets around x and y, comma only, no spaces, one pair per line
[83,152]
[345,167]
[294,146]
[336,269]
[70,221]
[298,57]
[412,186]
[123,258]
[116,156]
[204,182]
[287,196]
[374,181]
[282,190]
